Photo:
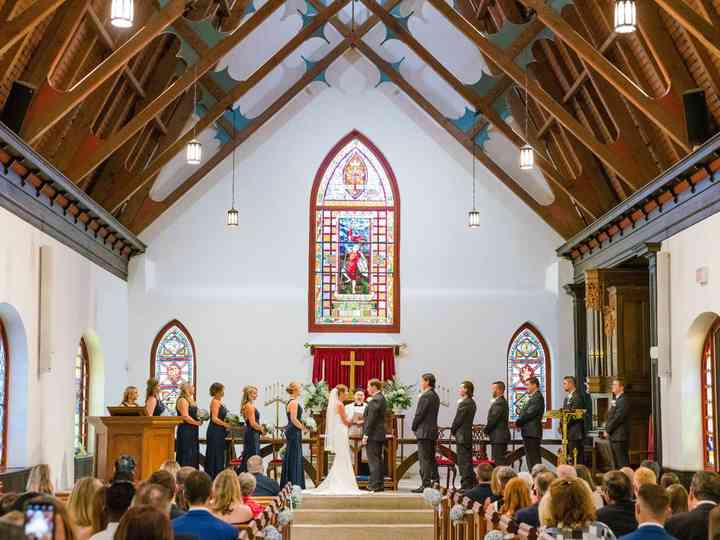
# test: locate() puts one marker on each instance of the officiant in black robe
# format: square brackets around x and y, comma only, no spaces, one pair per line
[425,427]
[374,435]
[462,431]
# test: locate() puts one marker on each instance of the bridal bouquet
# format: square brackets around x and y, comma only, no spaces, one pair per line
[233,419]
[203,415]
[310,423]
[316,396]
[398,395]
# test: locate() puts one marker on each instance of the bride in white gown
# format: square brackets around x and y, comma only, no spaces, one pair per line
[341,478]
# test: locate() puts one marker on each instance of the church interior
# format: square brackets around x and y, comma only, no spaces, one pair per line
[202,201]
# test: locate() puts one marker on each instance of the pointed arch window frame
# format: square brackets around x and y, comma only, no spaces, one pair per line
[313,326]
[158,338]
[547,390]
[85,394]
[710,352]
[4,421]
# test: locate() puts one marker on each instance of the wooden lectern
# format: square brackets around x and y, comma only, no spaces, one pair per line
[149,439]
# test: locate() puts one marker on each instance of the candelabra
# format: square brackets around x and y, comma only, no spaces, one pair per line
[443,393]
[275,395]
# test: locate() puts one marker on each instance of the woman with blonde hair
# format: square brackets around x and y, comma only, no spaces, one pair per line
[292,470]
[153,405]
[39,480]
[187,441]
[515,497]
[253,428]
[81,505]
[130,397]
[170,466]
[227,501]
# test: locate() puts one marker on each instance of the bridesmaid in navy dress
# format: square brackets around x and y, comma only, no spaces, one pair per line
[253,428]
[153,405]
[216,432]
[187,451]
[292,470]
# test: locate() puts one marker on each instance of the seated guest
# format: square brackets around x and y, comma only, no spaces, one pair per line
[527,477]
[654,466]
[125,469]
[141,522]
[247,488]
[80,506]
[515,497]
[627,471]
[619,512]
[170,466]
[159,498]
[678,499]
[39,480]
[652,509]
[566,471]
[529,515]
[669,479]
[167,480]
[130,397]
[583,473]
[180,478]
[64,528]
[265,486]
[99,512]
[227,499]
[567,509]
[643,476]
[482,491]
[198,521]
[118,498]
[537,469]
[501,476]
[704,496]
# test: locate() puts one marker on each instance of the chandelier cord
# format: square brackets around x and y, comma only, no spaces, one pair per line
[233,160]
[527,140]
[473,171]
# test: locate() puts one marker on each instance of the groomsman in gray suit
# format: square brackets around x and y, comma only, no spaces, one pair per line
[496,427]
[425,427]
[462,431]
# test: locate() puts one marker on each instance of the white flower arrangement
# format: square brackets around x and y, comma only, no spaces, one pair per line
[398,395]
[316,396]
[457,513]
[233,419]
[203,415]
[284,518]
[432,496]
[271,533]
[310,423]
[296,497]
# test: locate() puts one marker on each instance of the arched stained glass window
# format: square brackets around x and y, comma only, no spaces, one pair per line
[82,395]
[4,390]
[173,361]
[528,356]
[708,392]
[354,241]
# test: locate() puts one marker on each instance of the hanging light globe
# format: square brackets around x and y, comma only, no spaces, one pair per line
[233,217]
[473,219]
[625,16]
[527,158]
[194,152]
[121,13]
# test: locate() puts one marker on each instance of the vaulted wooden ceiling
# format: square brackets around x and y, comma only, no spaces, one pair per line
[112,107]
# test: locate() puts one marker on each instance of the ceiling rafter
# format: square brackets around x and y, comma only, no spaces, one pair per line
[13,30]
[694,23]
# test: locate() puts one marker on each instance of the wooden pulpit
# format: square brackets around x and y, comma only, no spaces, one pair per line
[149,439]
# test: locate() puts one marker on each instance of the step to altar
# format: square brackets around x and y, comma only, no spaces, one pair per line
[384,516]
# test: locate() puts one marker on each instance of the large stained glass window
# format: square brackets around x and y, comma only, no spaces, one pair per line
[82,396]
[528,356]
[354,245]
[708,392]
[4,374]
[173,361]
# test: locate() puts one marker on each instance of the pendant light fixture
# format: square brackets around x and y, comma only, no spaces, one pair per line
[194,148]
[233,216]
[625,16]
[121,13]
[527,154]
[473,215]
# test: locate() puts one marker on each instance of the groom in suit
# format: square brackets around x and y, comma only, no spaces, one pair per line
[425,427]
[374,434]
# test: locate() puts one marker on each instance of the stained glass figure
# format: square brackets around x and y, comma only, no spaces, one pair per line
[173,362]
[708,392]
[82,393]
[354,249]
[528,356]
[4,361]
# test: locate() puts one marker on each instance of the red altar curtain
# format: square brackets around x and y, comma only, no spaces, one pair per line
[379,364]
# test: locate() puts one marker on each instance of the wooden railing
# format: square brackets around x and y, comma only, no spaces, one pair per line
[475,523]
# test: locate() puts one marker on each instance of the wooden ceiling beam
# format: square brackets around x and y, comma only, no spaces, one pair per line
[623,166]
[106,147]
[13,30]
[40,119]
[237,92]
[672,124]
[694,23]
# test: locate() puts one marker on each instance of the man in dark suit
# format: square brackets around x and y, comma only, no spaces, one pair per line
[704,496]
[482,490]
[619,510]
[618,425]
[576,426]
[462,431]
[264,485]
[374,435]
[530,422]
[425,427]
[651,510]
[496,427]
[198,521]
[531,514]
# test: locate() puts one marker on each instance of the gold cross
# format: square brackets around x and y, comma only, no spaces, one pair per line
[352,363]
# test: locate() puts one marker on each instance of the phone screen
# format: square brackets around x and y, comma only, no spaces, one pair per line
[40,522]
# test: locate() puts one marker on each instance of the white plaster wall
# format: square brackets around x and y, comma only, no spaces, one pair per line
[243,293]
[693,310]
[86,301]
